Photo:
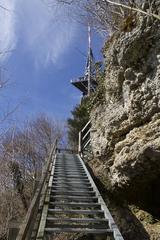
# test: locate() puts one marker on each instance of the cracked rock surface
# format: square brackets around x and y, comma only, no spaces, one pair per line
[126,136]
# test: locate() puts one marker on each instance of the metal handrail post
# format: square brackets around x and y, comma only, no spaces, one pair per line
[80,143]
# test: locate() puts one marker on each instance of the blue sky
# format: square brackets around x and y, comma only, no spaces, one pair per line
[46,46]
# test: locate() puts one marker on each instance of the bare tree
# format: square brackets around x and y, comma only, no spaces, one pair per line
[43,132]
[22,156]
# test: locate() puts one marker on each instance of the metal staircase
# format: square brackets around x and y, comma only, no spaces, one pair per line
[73,203]
[68,202]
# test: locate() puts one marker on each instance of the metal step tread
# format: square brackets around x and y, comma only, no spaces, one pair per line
[69,171]
[64,166]
[77,219]
[72,192]
[71,164]
[75,211]
[76,225]
[70,167]
[82,225]
[71,182]
[74,197]
[70,187]
[81,230]
[82,204]
[69,177]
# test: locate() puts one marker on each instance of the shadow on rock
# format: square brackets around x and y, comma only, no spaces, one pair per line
[130,227]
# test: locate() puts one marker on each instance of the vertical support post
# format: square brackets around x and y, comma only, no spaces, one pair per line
[80,143]
[89,61]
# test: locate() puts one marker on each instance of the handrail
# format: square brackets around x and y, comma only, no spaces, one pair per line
[87,133]
[84,137]
[27,226]
[116,233]
[87,124]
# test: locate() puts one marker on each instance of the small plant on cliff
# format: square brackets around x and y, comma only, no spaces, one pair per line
[128,23]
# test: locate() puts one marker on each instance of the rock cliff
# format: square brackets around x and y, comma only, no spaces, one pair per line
[126,125]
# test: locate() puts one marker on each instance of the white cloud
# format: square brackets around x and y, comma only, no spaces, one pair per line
[44,33]
[7,28]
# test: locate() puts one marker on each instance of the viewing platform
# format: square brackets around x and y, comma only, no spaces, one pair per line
[82,84]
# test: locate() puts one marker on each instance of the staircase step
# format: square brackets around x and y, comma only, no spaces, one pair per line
[71,177]
[78,230]
[90,220]
[82,225]
[82,204]
[89,212]
[69,181]
[79,186]
[92,193]
[74,198]
[65,188]
[69,172]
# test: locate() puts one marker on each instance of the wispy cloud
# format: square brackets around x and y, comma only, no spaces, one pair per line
[45,33]
[7,28]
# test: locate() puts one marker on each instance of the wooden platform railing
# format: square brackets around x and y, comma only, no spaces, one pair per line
[27,226]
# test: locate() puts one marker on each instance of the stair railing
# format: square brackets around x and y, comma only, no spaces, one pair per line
[28,224]
[84,138]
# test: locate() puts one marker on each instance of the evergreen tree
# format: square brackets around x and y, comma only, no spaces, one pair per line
[80,116]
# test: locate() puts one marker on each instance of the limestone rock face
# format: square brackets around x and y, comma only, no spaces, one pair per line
[137,159]
[126,128]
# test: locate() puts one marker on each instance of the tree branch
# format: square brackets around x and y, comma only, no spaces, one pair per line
[134,9]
